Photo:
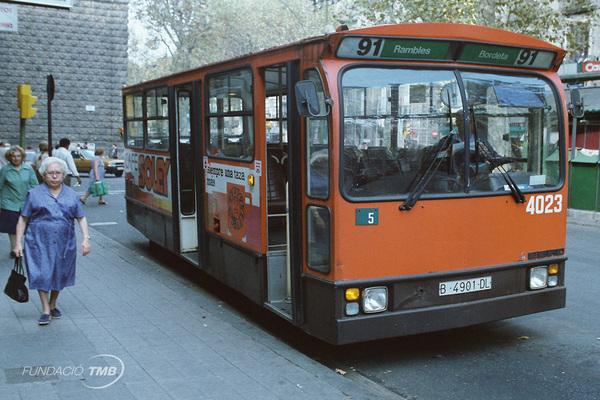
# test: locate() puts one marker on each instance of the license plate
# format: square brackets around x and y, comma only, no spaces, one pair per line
[119,168]
[465,286]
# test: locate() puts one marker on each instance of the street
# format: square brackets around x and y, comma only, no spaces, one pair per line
[552,355]
[111,219]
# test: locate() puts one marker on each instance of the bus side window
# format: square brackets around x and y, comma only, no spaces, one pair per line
[157,114]
[134,127]
[317,145]
[229,115]
[319,239]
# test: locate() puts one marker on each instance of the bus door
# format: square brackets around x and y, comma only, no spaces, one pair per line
[280,189]
[186,175]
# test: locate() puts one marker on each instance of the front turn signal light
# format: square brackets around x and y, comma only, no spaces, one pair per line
[352,294]
[553,269]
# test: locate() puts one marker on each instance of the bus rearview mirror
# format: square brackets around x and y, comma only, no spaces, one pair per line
[307,100]
[576,107]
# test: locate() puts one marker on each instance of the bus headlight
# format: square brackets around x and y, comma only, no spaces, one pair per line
[538,278]
[375,299]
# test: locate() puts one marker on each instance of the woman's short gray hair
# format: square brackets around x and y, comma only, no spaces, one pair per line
[53,160]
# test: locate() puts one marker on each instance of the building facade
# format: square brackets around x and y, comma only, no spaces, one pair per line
[84,47]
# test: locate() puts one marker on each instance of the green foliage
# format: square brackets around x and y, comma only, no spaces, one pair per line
[536,19]
[176,25]
[195,32]
[191,33]
[374,12]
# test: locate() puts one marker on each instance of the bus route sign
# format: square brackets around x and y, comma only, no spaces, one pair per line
[508,56]
[372,47]
[392,48]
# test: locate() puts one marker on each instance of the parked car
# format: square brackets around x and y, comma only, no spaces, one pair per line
[83,162]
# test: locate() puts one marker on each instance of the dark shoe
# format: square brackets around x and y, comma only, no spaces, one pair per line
[102,202]
[44,319]
[13,255]
[55,313]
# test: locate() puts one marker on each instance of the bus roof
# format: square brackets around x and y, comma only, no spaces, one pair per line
[449,33]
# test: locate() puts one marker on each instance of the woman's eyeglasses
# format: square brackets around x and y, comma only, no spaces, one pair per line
[54,173]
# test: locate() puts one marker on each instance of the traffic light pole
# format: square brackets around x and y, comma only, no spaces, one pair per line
[576,109]
[50,94]
[22,132]
[49,127]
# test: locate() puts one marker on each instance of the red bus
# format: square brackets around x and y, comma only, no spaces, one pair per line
[364,184]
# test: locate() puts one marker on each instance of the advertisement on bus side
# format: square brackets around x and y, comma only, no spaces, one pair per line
[148,179]
[233,204]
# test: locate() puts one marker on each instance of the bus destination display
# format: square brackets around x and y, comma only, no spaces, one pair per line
[436,50]
[402,49]
[508,56]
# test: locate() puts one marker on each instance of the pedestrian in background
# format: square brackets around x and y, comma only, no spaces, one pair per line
[47,223]
[41,156]
[96,175]
[114,151]
[16,178]
[64,154]
[3,149]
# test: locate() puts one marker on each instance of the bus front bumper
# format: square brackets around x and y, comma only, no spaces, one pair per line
[413,321]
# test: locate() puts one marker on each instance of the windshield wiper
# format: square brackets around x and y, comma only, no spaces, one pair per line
[419,183]
[496,162]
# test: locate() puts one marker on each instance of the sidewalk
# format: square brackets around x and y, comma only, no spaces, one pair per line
[175,341]
[583,217]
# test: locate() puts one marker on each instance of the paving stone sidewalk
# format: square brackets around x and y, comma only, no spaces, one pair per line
[584,217]
[174,340]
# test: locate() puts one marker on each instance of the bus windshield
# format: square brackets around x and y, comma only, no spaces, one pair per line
[453,132]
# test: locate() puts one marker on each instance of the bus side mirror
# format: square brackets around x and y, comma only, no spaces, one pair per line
[576,106]
[307,100]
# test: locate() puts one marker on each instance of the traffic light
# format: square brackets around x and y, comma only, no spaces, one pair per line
[26,101]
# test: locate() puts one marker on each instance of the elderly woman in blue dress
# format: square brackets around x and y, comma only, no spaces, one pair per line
[47,223]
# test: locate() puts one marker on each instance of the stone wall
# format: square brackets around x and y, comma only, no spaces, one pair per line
[85,49]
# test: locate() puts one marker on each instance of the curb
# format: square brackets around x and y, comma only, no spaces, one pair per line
[583,217]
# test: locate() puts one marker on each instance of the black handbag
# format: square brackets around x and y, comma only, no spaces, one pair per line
[15,287]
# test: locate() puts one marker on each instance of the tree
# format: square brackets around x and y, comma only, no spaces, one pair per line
[200,32]
[247,26]
[177,25]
